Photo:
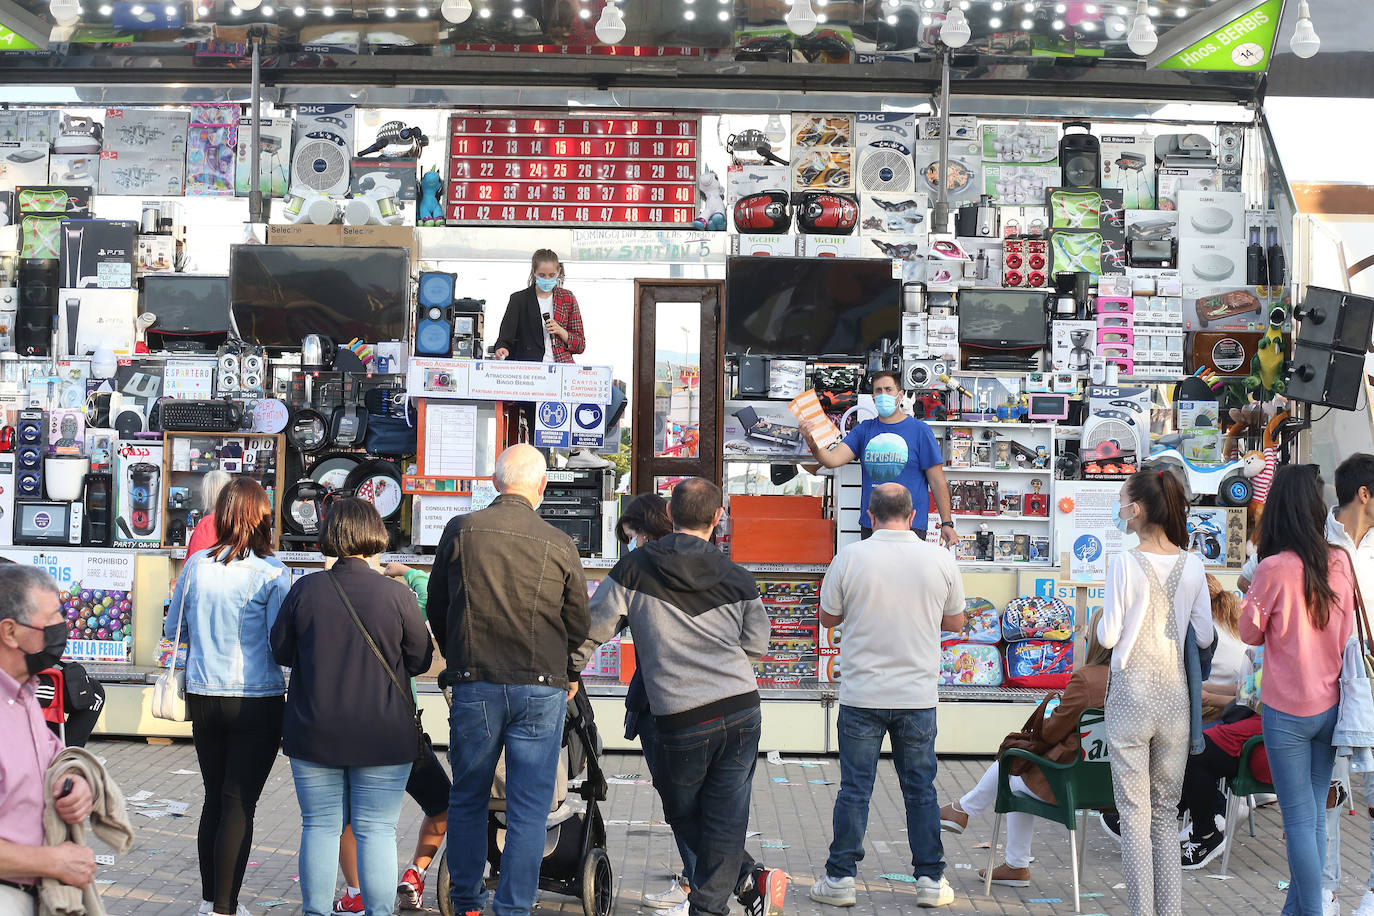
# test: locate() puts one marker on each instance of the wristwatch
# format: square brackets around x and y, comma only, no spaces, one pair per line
[947,524]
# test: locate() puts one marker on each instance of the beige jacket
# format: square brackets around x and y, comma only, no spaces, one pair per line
[109,822]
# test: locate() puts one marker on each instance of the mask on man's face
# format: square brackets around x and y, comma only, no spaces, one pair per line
[886,404]
[54,645]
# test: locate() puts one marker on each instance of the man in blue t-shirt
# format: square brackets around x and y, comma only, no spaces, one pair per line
[894,448]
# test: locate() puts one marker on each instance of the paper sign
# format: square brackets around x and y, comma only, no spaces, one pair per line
[433,513]
[806,407]
[551,420]
[507,380]
[188,378]
[588,425]
[587,383]
[1087,556]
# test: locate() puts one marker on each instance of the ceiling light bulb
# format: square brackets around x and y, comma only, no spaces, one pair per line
[688,15]
[518,13]
[1305,41]
[391,12]
[1090,9]
[267,11]
[1060,8]
[202,11]
[1142,39]
[1088,25]
[610,28]
[484,13]
[994,23]
[1057,25]
[1027,24]
[106,10]
[66,12]
[327,11]
[1028,7]
[892,19]
[955,32]
[1115,26]
[456,11]
[584,13]
[137,9]
[299,11]
[171,11]
[723,16]
[997,6]
[1181,12]
[236,11]
[822,18]
[801,18]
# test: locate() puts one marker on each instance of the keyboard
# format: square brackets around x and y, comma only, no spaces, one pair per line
[176,415]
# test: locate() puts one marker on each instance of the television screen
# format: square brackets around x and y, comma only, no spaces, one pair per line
[186,304]
[281,293]
[1004,319]
[810,306]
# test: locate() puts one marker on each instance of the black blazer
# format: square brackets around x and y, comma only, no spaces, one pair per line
[341,708]
[522,327]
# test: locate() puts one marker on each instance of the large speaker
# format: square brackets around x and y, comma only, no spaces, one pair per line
[1340,321]
[38,288]
[1326,377]
[1080,157]
[97,523]
[28,454]
[434,326]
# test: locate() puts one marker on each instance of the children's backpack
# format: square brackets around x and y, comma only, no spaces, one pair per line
[984,624]
[1034,617]
[1039,663]
[967,664]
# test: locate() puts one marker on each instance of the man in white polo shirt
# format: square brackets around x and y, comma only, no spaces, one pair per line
[893,593]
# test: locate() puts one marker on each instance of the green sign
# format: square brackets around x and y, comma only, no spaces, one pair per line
[13,41]
[1243,45]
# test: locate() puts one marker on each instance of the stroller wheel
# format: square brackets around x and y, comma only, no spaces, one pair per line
[597,891]
[444,885]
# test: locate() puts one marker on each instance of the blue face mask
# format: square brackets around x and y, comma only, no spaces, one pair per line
[886,404]
[546,284]
[1122,524]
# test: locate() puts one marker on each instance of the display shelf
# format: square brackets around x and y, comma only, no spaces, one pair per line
[984,423]
[999,518]
[984,566]
[1028,471]
[797,568]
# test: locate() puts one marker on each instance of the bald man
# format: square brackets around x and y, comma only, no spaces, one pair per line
[508,606]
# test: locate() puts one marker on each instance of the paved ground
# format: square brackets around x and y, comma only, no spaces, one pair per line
[791,814]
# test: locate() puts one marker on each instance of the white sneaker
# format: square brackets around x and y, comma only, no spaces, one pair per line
[667,899]
[587,459]
[1265,798]
[930,892]
[206,908]
[1329,905]
[1366,907]
[834,891]
[679,909]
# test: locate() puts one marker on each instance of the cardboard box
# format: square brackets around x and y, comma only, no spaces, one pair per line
[830,246]
[304,234]
[1128,164]
[71,168]
[775,507]
[145,152]
[1216,262]
[383,237]
[98,254]
[145,460]
[760,539]
[780,246]
[1211,215]
[22,163]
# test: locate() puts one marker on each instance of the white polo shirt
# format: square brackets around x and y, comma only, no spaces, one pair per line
[892,590]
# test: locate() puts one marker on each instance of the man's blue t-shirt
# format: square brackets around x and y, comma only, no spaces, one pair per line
[895,453]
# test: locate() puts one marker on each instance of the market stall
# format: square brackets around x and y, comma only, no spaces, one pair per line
[297,268]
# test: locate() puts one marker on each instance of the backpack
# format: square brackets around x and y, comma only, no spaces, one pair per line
[1035,617]
[1039,663]
[967,664]
[984,624]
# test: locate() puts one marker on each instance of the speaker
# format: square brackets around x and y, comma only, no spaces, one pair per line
[38,287]
[436,288]
[1080,157]
[1340,321]
[434,326]
[1230,147]
[253,369]
[1325,377]
[30,433]
[97,524]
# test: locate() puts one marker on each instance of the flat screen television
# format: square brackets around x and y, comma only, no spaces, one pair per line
[186,304]
[1003,319]
[810,306]
[281,293]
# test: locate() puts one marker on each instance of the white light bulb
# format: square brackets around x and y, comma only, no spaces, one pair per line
[246,5]
[107,10]
[994,23]
[422,11]
[1115,26]
[484,13]
[267,11]
[1060,8]
[1181,12]
[822,18]
[997,6]
[456,11]
[171,11]
[390,12]
[1142,39]
[1090,9]
[892,19]
[688,15]
[1305,41]
[236,11]
[723,16]
[137,9]
[1088,26]
[1027,24]
[327,11]
[202,11]
[299,11]
[801,18]
[65,12]
[1057,25]
[518,13]
[610,28]
[955,32]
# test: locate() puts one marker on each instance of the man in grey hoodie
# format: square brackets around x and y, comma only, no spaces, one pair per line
[697,621]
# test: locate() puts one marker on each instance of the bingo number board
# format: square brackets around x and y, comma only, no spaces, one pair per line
[635,170]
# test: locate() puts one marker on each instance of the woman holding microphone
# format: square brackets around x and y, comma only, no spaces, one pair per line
[542,321]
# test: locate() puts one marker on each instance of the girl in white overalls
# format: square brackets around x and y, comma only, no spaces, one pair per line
[1154,592]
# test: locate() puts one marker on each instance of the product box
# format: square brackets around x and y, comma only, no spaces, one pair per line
[1212,262]
[274,156]
[6,499]
[1018,185]
[830,654]
[873,127]
[398,178]
[68,168]
[98,254]
[139,491]
[1072,345]
[762,428]
[1088,250]
[961,127]
[1021,143]
[98,316]
[812,130]
[1211,215]
[1219,535]
[826,168]
[965,181]
[22,163]
[1225,308]
[211,150]
[1198,423]
[144,152]
[778,246]
[743,180]
[906,215]
[1171,181]
[1152,225]
[830,246]
[1128,164]
[156,254]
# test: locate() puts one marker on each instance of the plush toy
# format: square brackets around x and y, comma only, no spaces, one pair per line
[711,202]
[431,209]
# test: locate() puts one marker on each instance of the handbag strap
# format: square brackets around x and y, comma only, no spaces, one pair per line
[1361,614]
[176,641]
[371,644]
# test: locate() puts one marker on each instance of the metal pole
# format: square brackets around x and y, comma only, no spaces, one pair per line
[257,213]
[940,221]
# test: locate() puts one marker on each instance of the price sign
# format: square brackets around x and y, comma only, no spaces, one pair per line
[604,171]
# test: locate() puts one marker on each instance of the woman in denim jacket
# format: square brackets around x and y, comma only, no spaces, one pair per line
[229,595]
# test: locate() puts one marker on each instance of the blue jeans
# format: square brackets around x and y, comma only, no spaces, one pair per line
[648,739]
[370,799]
[706,782]
[1301,759]
[527,723]
[913,756]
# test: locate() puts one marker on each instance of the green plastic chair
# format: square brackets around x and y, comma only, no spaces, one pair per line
[1081,786]
[1243,784]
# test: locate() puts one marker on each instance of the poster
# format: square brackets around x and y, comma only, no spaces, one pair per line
[96,593]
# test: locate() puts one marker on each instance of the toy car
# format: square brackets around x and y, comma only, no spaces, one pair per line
[1229,482]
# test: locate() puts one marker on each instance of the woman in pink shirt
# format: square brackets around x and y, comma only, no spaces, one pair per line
[1300,607]
[205,533]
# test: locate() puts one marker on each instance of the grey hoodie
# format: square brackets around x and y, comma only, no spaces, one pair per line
[697,620]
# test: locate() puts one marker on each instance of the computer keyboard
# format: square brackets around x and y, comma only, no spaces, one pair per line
[176,415]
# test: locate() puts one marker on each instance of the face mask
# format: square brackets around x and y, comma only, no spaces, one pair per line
[54,644]
[886,404]
[546,284]
[1122,524]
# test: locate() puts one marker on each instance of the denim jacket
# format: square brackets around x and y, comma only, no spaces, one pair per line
[229,610]
[1198,663]
[1354,733]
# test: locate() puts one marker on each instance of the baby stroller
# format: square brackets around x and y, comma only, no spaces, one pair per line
[575,860]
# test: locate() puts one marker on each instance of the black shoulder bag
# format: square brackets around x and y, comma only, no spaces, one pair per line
[421,739]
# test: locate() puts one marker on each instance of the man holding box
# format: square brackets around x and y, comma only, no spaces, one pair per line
[894,448]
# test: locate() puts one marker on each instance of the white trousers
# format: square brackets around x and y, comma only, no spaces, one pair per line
[1020,826]
[14,902]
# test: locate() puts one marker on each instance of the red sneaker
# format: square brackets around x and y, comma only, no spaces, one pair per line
[411,889]
[349,903]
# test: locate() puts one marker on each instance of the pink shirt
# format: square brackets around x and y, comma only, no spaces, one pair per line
[1302,665]
[204,535]
[27,749]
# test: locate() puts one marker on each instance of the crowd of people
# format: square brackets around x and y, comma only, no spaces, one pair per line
[1186,672]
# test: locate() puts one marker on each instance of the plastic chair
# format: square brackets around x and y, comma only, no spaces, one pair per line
[1081,786]
[1244,784]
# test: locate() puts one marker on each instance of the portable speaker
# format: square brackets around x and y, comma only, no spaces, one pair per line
[1330,318]
[30,433]
[1080,157]
[33,329]
[436,288]
[97,524]
[227,374]
[1324,377]
[434,331]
